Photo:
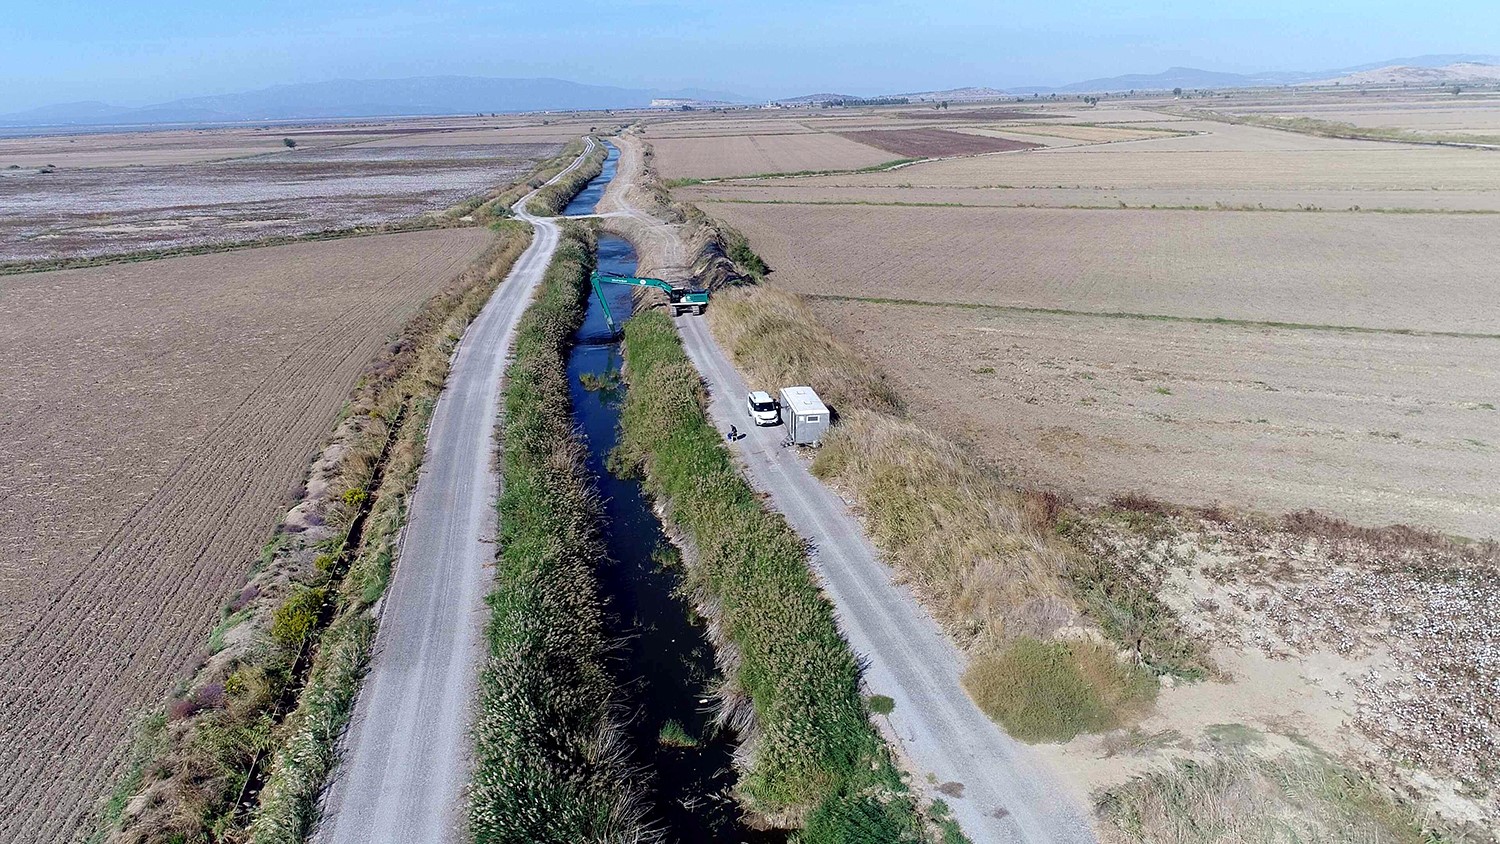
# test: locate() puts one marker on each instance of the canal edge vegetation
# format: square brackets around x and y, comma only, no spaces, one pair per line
[551,758]
[813,757]
[990,563]
[282,666]
[550,200]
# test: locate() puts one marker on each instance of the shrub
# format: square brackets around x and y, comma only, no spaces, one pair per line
[297,617]
[1052,691]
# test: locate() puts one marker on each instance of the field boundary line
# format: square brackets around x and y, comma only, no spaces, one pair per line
[1226,321]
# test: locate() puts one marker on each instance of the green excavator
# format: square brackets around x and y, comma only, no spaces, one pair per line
[680,299]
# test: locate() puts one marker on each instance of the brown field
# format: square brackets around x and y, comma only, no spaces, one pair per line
[980,114]
[1414,272]
[1137,198]
[933,143]
[1093,134]
[1379,427]
[159,417]
[116,193]
[745,155]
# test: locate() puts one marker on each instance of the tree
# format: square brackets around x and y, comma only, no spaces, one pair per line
[1457,89]
[290,144]
[1176,92]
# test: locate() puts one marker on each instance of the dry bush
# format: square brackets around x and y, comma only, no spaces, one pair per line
[774,337]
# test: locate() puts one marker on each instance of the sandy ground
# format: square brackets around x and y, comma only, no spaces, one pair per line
[1380,428]
[159,415]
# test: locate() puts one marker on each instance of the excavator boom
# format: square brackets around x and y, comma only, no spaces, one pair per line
[679,298]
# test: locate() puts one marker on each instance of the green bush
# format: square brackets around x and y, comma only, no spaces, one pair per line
[1052,691]
[297,617]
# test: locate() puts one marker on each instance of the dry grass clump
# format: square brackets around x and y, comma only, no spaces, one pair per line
[1296,798]
[963,540]
[1052,691]
[774,337]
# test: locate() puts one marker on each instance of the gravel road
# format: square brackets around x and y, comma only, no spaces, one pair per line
[998,789]
[405,758]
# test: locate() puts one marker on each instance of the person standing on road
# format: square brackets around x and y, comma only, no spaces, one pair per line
[734,433]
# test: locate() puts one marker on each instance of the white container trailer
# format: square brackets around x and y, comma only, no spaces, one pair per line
[804,414]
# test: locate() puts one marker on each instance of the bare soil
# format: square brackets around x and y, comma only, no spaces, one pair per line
[1421,272]
[160,416]
[745,155]
[1379,428]
[113,210]
[934,143]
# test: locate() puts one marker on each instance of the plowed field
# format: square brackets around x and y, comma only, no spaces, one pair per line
[932,143]
[745,155]
[157,417]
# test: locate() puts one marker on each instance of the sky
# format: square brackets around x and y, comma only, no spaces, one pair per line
[138,52]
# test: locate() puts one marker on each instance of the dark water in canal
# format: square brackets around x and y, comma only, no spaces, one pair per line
[665,662]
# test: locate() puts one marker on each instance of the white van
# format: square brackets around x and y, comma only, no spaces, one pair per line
[763,409]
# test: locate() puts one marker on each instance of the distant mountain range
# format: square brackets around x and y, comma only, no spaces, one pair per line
[446,95]
[428,95]
[1432,69]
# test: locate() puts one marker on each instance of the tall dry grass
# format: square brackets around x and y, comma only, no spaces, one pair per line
[1294,798]
[774,338]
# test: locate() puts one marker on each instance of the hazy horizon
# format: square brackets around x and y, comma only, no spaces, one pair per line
[138,53]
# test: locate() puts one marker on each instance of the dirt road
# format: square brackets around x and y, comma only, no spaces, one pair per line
[406,754]
[1007,792]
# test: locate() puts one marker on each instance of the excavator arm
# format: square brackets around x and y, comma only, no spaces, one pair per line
[680,298]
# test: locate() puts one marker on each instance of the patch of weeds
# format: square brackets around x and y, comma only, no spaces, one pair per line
[942,818]
[985,370]
[673,734]
[1052,691]
[1232,736]
[1164,391]
[1138,742]
[881,704]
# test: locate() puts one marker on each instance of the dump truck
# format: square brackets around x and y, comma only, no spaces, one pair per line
[804,414]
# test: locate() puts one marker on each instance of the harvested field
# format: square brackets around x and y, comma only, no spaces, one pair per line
[1129,198]
[161,414]
[112,210]
[974,114]
[1412,272]
[934,143]
[745,155]
[1093,134]
[1380,428]
[161,148]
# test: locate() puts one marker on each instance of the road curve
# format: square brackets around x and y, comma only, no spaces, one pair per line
[1009,794]
[406,755]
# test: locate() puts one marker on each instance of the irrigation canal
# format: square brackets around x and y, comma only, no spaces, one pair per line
[665,661]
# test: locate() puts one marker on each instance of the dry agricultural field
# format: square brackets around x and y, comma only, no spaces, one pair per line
[88,195]
[1088,285]
[159,415]
[1164,308]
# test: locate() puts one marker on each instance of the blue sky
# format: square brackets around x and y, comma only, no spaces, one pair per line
[134,52]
